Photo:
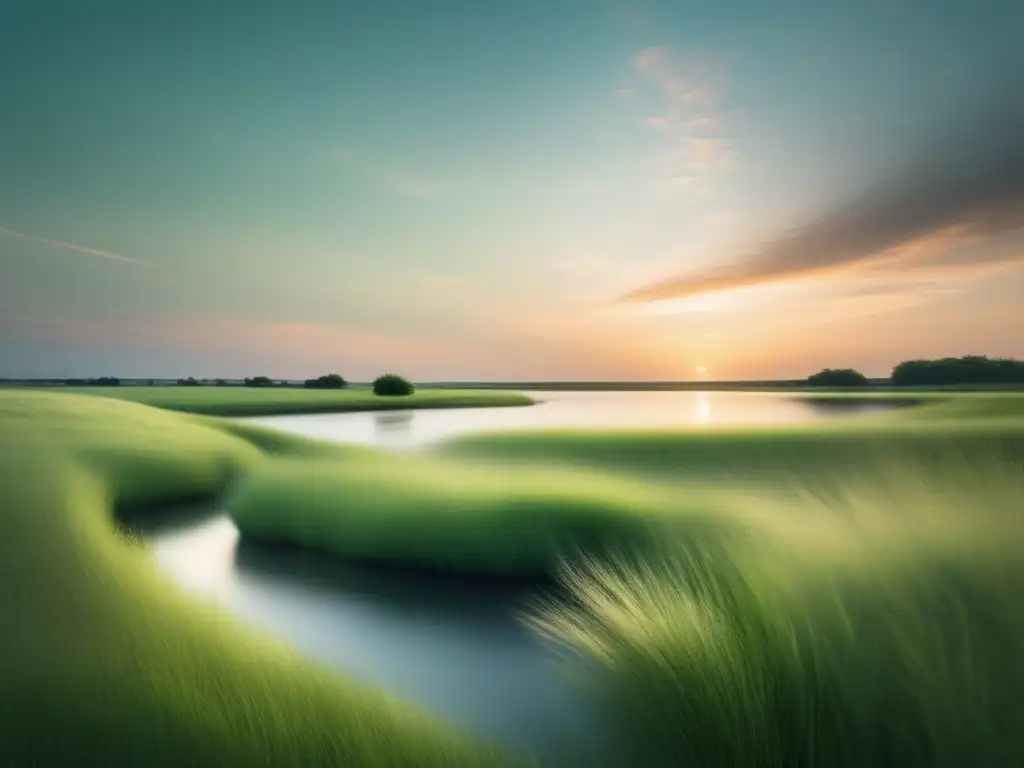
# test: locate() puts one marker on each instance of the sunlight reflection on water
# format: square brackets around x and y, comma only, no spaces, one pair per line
[577,410]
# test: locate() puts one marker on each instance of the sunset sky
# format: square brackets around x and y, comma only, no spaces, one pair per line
[523,190]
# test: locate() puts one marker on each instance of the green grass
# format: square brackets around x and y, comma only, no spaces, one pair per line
[104,662]
[516,504]
[840,594]
[725,455]
[851,600]
[257,401]
[876,623]
[990,423]
[417,512]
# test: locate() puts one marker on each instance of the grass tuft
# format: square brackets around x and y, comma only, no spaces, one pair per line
[872,623]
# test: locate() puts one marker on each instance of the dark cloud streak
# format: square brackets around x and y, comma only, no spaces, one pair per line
[971,179]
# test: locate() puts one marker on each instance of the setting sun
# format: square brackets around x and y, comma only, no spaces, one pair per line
[702,370]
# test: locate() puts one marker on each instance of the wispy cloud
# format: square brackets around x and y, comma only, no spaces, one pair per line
[73,247]
[692,115]
[941,211]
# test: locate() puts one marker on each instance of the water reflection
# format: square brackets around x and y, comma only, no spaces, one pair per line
[703,408]
[393,427]
[852,406]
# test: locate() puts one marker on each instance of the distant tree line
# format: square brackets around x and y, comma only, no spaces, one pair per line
[102,381]
[948,371]
[970,369]
[387,385]
[329,381]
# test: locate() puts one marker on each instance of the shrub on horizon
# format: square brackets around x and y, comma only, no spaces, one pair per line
[330,381]
[838,377]
[189,382]
[392,385]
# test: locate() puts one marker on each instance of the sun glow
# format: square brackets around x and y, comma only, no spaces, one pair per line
[702,370]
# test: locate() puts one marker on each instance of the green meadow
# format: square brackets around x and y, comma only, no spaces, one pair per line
[839,594]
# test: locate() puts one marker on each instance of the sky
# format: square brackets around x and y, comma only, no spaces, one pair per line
[556,190]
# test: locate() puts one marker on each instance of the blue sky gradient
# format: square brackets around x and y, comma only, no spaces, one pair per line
[467,191]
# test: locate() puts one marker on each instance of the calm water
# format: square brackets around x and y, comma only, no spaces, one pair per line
[409,429]
[457,649]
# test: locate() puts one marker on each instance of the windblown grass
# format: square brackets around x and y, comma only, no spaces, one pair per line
[104,662]
[875,622]
[257,401]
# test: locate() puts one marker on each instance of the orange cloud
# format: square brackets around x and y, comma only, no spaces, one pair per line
[952,251]
[941,209]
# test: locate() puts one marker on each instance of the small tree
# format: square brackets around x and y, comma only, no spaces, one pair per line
[392,385]
[259,381]
[837,377]
[220,383]
[189,382]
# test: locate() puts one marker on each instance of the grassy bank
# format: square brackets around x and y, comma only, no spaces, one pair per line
[104,662]
[257,401]
[415,512]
